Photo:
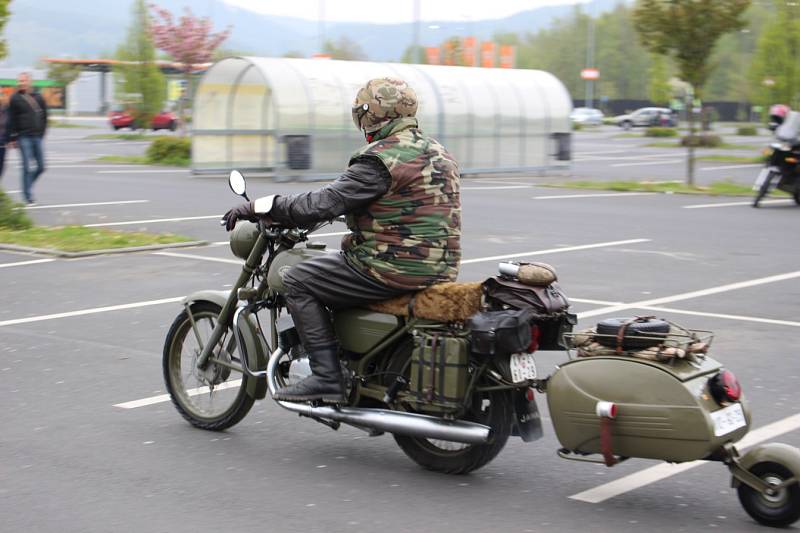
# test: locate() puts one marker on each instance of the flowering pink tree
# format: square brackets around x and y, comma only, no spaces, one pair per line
[188,40]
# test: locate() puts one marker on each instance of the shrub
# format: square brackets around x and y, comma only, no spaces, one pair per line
[705,140]
[170,151]
[661,132]
[12,216]
[747,130]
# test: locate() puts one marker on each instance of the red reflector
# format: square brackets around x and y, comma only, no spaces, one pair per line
[529,395]
[731,385]
[535,335]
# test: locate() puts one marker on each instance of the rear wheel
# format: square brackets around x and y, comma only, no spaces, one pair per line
[493,409]
[214,398]
[779,509]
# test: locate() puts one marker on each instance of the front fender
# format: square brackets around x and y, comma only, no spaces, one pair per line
[258,351]
[773,452]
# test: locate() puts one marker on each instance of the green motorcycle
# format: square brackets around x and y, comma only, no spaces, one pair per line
[413,377]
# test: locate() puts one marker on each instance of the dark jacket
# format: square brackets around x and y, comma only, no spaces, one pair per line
[26,118]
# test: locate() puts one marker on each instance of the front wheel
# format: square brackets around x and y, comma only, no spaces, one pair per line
[763,190]
[780,509]
[493,409]
[214,398]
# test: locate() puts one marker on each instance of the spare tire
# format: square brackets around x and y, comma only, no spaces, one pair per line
[639,333]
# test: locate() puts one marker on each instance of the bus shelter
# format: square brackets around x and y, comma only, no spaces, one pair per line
[292,117]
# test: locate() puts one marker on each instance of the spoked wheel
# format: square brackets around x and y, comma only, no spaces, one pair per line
[214,398]
[779,509]
[489,408]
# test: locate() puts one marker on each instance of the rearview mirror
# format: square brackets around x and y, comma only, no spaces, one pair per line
[237,184]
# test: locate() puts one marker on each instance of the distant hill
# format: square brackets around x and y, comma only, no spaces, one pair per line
[91,28]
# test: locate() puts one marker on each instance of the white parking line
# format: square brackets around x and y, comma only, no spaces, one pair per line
[690,295]
[23,263]
[730,167]
[121,202]
[733,204]
[91,311]
[597,195]
[201,258]
[150,221]
[720,315]
[645,163]
[656,473]
[164,171]
[553,251]
[497,188]
[165,397]
[593,302]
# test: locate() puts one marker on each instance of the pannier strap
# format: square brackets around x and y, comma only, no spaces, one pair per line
[624,326]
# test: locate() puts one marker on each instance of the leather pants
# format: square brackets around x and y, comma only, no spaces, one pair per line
[328,282]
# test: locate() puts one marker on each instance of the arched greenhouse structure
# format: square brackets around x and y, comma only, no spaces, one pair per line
[291,117]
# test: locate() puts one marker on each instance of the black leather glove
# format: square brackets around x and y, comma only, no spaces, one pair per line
[240,212]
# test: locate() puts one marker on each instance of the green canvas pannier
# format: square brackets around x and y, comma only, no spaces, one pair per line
[439,370]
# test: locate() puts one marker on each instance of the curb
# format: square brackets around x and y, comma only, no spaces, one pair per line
[110,251]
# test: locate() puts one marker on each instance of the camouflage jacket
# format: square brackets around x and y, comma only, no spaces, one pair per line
[410,237]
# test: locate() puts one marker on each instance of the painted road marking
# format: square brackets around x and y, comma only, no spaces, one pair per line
[597,195]
[201,258]
[91,311]
[165,397]
[720,315]
[23,263]
[656,473]
[553,251]
[173,171]
[690,295]
[732,204]
[730,167]
[497,188]
[151,221]
[645,163]
[593,302]
[88,204]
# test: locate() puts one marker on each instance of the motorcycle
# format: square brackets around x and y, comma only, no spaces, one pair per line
[781,167]
[451,407]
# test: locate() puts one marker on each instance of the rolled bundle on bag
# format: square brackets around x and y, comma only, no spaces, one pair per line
[536,274]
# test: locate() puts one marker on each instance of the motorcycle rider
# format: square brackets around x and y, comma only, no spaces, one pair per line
[777,114]
[400,193]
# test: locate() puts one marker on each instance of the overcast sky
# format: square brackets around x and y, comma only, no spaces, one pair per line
[398,10]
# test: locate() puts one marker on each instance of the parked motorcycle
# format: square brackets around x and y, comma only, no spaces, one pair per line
[781,167]
[453,381]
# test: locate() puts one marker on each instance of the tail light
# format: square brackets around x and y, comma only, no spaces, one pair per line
[725,387]
[536,334]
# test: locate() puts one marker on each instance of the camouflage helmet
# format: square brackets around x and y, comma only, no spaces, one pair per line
[382,100]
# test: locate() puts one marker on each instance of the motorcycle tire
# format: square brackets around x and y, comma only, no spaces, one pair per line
[763,190]
[492,408]
[779,510]
[796,197]
[638,335]
[194,401]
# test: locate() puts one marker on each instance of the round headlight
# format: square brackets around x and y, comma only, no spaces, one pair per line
[243,238]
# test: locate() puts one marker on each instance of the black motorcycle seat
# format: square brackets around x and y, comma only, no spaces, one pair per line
[443,302]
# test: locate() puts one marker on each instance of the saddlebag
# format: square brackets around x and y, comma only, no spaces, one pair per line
[439,370]
[500,332]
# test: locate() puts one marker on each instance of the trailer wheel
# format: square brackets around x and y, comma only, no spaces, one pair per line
[780,509]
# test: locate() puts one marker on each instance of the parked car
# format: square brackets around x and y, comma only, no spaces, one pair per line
[166,120]
[586,115]
[647,117]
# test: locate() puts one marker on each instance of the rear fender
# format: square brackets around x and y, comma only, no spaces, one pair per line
[257,349]
[773,452]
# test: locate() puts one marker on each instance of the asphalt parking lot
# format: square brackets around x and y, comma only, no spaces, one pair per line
[80,337]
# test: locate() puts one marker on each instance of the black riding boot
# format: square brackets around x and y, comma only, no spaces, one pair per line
[325,383]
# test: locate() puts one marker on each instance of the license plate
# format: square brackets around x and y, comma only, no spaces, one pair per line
[728,419]
[523,367]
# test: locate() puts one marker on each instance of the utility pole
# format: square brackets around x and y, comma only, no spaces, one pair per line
[590,61]
[417,48]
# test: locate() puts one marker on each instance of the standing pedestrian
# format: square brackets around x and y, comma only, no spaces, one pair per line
[3,129]
[27,123]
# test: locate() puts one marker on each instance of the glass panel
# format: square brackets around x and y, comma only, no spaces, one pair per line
[211,98]
[510,117]
[247,106]
[209,152]
[247,150]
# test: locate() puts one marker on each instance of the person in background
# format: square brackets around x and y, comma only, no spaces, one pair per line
[27,124]
[3,130]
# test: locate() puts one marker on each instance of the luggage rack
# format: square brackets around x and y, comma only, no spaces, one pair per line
[678,343]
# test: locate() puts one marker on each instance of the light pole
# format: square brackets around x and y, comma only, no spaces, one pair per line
[590,61]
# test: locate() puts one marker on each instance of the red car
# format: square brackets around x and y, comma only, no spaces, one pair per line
[166,120]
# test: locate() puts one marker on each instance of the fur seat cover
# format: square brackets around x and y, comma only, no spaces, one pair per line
[444,302]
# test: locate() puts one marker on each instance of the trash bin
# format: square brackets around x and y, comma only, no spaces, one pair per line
[298,151]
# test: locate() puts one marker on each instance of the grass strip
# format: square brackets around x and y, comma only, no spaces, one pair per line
[730,158]
[60,124]
[717,188]
[120,136]
[723,146]
[141,160]
[83,239]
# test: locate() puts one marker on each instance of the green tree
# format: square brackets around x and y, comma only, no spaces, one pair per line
[343,48]
[141,83]
[4,14]
[687,31]
[658,88]
[411,53]
[777,58]
[64,73]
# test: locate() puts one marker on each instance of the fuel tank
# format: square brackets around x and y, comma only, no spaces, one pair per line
[286,260]
[664,411]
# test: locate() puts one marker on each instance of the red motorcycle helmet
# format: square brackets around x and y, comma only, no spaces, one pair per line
[777,114]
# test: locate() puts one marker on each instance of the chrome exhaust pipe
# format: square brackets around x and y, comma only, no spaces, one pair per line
[399,423]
